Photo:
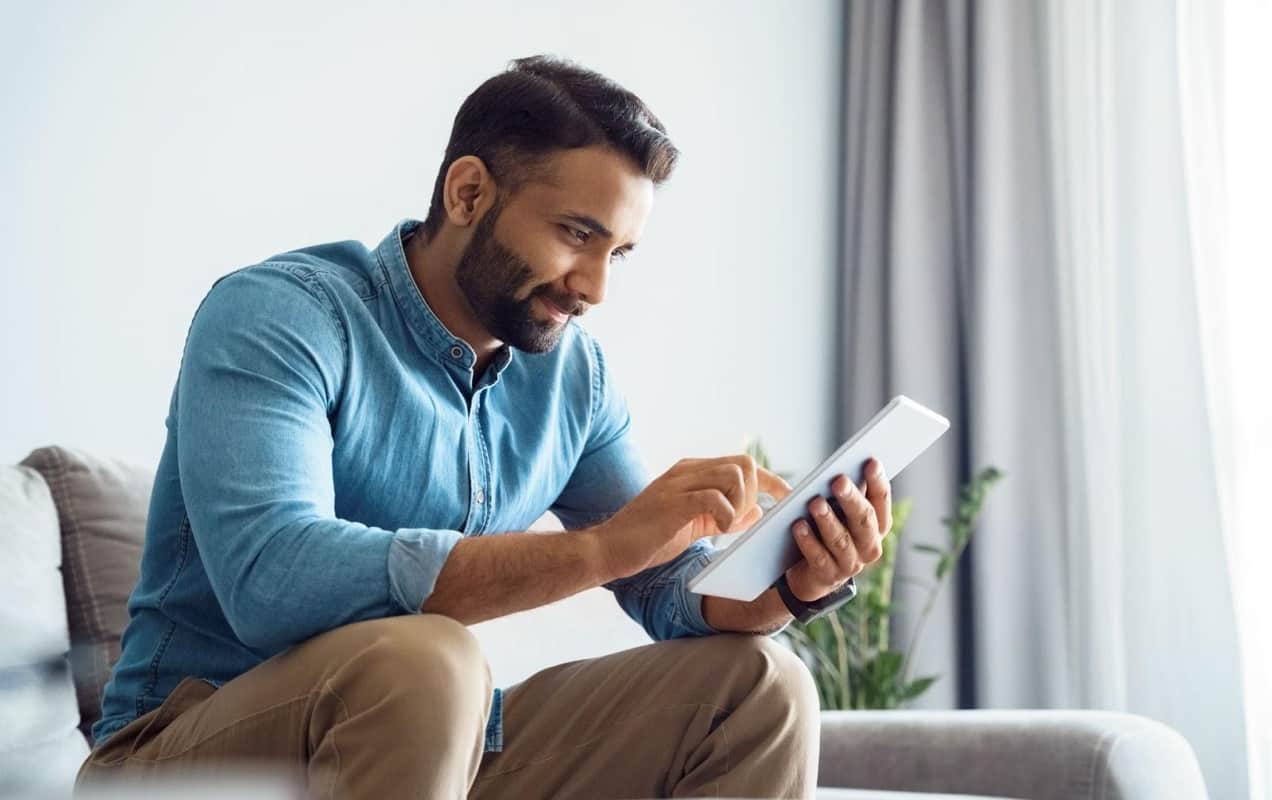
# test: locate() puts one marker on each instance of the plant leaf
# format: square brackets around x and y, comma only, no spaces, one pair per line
[943,566]
[917,687]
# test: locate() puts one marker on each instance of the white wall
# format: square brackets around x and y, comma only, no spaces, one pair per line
[149,148]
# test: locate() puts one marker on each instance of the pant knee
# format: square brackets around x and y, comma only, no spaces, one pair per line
[425,662]
[768,667]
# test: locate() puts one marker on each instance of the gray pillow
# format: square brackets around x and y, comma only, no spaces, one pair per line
[101,506]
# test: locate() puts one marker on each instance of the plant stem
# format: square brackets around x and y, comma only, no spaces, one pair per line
[961,525]
[885,589]
[933,593]
[841,643]
[806,643]
[918,629]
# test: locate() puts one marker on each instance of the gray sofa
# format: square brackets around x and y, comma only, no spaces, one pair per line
[71,527]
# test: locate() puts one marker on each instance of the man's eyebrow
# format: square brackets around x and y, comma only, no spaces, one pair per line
[591,223]
[594,225]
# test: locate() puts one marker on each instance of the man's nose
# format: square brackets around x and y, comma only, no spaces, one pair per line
[589,279]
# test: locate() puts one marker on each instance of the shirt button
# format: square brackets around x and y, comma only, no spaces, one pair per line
[481,496]
[456,352]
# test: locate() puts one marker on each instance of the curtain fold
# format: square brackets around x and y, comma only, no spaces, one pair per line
[1017,254]
[947,275]
[901,208]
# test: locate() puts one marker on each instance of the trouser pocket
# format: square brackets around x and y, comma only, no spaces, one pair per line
[187,694]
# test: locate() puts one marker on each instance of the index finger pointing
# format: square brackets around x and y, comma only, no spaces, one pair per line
[772,484]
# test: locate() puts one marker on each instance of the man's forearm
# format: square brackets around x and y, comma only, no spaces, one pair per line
[765,614]
[491,576]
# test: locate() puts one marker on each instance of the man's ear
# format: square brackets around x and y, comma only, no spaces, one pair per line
[469,190]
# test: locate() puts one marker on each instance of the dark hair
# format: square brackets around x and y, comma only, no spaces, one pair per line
[542,104]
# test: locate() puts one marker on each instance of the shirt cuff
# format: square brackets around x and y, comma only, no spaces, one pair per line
[416,557]
[689,602]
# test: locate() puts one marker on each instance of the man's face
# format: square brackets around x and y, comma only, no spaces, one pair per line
[542,256]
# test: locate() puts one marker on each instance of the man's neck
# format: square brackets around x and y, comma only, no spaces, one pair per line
[432,267]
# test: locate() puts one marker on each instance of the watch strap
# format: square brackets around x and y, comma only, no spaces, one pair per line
[807,612]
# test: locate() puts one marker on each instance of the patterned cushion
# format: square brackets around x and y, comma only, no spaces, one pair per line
[101,506]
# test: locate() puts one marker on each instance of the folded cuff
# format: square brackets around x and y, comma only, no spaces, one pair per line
[689,603]
[416,557]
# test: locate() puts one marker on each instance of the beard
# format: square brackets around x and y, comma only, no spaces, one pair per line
[490,276]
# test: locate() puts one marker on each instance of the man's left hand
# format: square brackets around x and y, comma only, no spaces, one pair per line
[841,545]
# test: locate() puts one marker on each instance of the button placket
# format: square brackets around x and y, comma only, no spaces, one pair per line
[480,473]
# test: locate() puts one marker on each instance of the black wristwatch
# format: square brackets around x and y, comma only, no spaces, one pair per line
[806,612]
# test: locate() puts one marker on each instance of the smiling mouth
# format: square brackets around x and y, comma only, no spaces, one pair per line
[554,310]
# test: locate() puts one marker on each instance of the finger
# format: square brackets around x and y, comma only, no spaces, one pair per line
[724,475]
[879,493]
[712,503]
[687,466]
[749,476]
[836,538]
[748,519]
[821,563]
[747,465]
[743,461]
[772,484]
[859,514]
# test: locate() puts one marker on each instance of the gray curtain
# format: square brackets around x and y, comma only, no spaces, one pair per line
[947,292]
[1016,227]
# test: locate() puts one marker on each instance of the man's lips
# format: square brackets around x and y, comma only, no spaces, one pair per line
[554,310]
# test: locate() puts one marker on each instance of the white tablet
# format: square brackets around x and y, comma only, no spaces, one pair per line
[758,556]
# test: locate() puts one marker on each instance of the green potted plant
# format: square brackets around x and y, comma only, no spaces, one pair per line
[850,652]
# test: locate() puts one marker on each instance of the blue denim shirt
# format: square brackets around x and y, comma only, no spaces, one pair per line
[328,445]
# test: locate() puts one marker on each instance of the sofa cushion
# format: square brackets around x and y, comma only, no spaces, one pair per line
[40,748]
[101,507]
[874,794]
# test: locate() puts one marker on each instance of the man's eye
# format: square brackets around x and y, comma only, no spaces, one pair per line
[618,255]
[579,236]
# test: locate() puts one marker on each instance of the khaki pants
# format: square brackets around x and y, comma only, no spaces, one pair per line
[398,708]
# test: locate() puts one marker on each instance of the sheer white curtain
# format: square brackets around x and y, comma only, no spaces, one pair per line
[1227,122]
[1157,419]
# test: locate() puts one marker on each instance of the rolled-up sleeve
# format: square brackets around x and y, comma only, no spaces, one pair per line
[260,377]
[609,473]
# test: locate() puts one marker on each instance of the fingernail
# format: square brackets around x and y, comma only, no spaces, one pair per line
[801,528]
[820,506]
[878,470]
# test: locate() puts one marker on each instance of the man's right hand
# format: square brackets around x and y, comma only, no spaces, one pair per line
[697,497]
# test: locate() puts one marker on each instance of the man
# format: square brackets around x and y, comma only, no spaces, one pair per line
[349,431]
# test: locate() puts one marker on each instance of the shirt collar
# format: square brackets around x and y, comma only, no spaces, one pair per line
[434,337]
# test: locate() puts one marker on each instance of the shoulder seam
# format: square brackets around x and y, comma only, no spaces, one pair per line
[310,276]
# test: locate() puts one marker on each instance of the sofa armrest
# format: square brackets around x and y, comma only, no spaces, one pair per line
[1041,755]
